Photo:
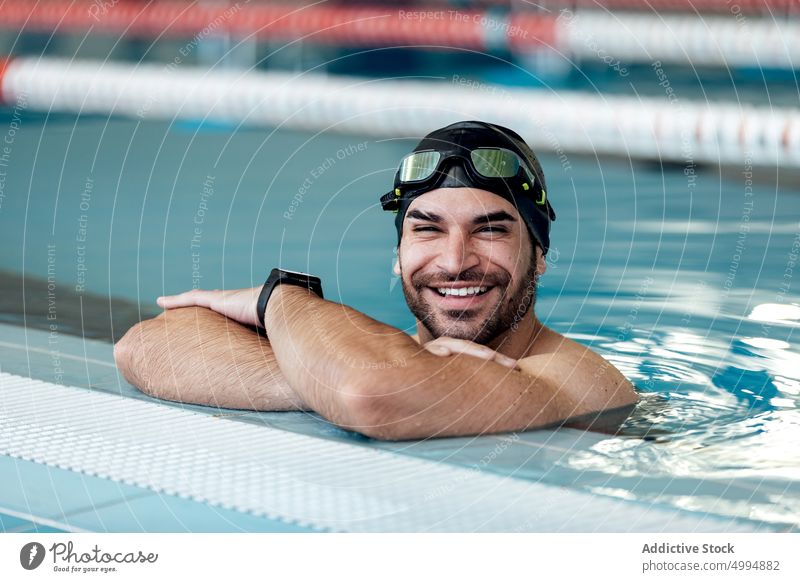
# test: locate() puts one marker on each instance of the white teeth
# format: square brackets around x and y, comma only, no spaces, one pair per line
[463,292]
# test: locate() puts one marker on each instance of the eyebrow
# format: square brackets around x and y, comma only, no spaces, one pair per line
[419,215]
[498,216]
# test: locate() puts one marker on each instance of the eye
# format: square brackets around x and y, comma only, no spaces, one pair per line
[493,229]
[425,229]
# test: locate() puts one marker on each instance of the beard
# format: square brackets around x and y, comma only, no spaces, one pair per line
[509,310]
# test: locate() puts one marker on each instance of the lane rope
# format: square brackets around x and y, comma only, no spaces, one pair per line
[655,128]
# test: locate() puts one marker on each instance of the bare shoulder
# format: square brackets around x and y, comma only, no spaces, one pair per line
[590,380]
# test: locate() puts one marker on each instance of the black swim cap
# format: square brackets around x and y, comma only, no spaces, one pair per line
[456,170]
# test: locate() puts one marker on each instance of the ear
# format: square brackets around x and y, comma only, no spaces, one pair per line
[396,268]
[541,261]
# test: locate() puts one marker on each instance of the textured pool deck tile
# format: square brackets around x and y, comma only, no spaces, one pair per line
[9,523]
[168,513]
[51,494]
[68,501]
[37,528]
[12,524]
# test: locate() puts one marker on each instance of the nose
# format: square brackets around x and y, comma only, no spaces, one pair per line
[457,253]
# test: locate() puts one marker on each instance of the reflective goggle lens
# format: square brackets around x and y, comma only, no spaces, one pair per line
[419,166]
[495,162]
[488,162]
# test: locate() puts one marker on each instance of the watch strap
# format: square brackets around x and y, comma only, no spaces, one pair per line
[280,276]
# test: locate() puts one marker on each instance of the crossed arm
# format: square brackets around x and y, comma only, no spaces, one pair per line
[195,355]
[364,375]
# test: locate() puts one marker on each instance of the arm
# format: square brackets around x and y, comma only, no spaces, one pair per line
[370,377]
[197,356]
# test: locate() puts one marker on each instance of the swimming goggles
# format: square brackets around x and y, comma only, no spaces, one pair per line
[488,167]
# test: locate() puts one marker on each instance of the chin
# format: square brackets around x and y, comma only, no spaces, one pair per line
[466,330]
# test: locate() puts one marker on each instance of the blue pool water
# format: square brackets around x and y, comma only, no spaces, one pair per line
[683,276]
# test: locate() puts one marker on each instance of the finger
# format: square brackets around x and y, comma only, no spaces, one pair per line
[171,301]
[438,349]
[476,350]
[459,346]
[187,299]
[481,351]
[505,360]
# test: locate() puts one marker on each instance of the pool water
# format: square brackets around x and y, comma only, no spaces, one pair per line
[682,276]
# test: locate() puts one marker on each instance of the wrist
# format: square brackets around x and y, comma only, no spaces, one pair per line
[283,301]
[278,278]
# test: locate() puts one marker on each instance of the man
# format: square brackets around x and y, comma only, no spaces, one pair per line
[473,223]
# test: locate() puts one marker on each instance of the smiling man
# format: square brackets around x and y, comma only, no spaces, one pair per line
[473,223]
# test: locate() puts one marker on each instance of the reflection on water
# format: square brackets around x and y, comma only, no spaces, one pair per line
[710,410]
[696,383]
[776,313]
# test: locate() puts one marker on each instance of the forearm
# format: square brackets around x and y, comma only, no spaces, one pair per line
[325,349]
[197,356]
[371,377]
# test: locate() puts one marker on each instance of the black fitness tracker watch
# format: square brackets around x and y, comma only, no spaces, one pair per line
[280,276]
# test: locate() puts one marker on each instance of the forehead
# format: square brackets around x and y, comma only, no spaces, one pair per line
[462,204]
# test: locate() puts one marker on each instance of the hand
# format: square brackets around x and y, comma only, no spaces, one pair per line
[448,346]
[237,304]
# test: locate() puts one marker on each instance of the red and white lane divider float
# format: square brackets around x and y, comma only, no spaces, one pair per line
[776,7]
[653,128]
[725,39]
[728,41]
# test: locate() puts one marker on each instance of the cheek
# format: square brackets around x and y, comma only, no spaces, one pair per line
[502,256]
[513,262]
[414,258]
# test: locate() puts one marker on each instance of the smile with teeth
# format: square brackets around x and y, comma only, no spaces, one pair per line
[461,292]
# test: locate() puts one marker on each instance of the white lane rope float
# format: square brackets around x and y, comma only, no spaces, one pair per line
[656,128]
